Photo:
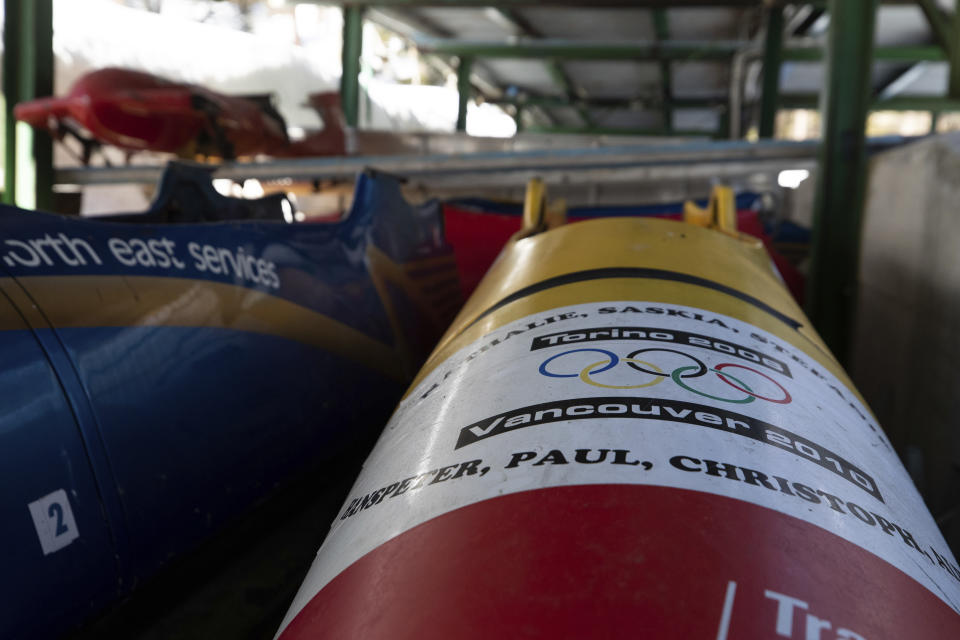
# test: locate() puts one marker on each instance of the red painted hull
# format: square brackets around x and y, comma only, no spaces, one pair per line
[619,561]
[141,112]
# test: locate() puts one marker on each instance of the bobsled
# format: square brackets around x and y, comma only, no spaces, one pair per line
[138,111]
[159,379]
[631,430]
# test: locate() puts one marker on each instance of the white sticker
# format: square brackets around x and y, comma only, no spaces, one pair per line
[53,520]
[639,393]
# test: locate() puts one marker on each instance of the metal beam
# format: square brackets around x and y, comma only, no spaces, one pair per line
[406,23]
[463,92]
[583,50]
[558,74]
[897,53]
[899,81]
[661,25]
[624,156]
[772,57]
[415,27]
[619,131]
[518,119]
[804,20]
[722,50]
[939,24]
[542,114]
[560,77]
[515,21]
[898,103]
[672,181]
[637,103]
[723,130]
[800,101]
[954,88]
[841,179]
[352,48]
[27,74]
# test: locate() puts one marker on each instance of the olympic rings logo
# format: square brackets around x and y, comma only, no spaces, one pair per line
[684,375]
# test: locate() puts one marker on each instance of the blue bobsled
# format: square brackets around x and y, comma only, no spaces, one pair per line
[157,380]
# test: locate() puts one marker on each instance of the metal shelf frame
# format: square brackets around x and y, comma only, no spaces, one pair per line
[844,103]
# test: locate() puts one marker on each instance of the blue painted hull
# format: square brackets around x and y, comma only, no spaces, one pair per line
[143,404]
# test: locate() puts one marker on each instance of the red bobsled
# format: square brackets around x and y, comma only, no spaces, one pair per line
[138,111]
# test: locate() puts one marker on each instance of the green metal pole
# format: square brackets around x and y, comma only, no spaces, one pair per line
[554,67]
[772,57]
[841,180]
[661,26]
[939,24]
[683,51]
[954,52]
[27,74]
[582,50]
[723,130]
[518,118]
[561,79]
[891,53]
[43,86]
[11,90]
[934,119]
[897,103]
[463,91]
[352,48]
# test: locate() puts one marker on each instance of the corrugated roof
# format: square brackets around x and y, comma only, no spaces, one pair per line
[640,85]
[615,24]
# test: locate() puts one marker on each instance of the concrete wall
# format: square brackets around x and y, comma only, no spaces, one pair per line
[906,355]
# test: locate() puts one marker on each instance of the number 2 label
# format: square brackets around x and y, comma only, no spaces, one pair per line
[53,520]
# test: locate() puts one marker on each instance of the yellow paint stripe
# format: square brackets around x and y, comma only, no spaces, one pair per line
[629,242]
[632,242]
[11,318]
[130,301]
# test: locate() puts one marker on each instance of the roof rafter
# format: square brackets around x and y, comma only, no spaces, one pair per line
[562,49]
[721,50]
[898,82]
[554,68]
[939,23]
[415,28]
[612,103]
[897,103]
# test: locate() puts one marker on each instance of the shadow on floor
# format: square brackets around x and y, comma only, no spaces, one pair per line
[239,583]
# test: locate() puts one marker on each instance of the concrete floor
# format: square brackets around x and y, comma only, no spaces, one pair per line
[239,584]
